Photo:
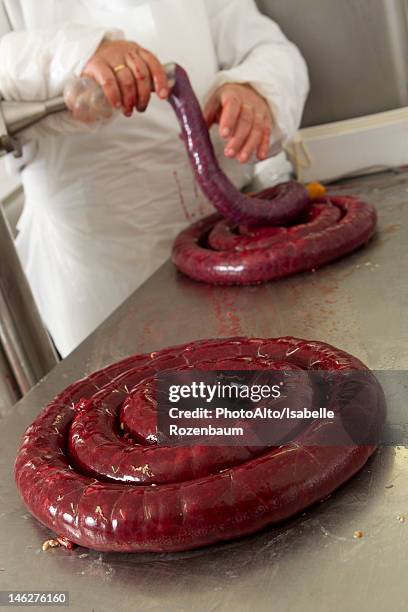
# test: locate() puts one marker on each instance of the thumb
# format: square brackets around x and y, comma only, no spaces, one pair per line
[211,110]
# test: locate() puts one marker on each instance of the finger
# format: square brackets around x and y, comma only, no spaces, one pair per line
[128,90]
[143,79]
[102,73]
[265,143]
[211,110]
[254,139]
[242,131]
[158,74]
[229,116]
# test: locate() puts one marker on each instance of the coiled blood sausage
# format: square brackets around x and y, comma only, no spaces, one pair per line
[275,233]
[91,470]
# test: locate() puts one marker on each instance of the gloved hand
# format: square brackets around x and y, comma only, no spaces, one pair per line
[245,120]
[128,74]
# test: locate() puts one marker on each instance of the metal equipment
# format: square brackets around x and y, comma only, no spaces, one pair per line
[23,338]
[16,117]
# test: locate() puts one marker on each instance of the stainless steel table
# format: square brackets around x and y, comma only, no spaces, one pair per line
[309,563]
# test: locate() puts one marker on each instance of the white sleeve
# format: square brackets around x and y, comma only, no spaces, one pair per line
[4,22]
[35,64]
[251,48]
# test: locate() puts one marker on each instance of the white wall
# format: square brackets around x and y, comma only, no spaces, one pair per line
[356,50]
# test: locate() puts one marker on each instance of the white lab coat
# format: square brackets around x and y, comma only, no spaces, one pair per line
[103,206]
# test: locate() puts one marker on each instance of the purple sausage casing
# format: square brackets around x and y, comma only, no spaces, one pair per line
[219,250]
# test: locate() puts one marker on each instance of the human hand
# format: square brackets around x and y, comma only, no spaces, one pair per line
[128,74]
[244,119]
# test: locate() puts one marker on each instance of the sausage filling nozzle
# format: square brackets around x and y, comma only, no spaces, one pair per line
[18,116]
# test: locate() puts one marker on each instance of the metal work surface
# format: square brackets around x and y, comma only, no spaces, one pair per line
[309,563]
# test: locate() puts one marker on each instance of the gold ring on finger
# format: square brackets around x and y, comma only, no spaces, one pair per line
[119,67]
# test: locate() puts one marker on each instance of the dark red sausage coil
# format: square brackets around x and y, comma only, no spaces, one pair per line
[282,203]
[213,251]
[96,485]
[220,249]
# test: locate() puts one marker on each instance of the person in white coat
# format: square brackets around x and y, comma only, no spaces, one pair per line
[103,205]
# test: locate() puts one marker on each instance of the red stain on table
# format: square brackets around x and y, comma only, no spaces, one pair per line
[226,312]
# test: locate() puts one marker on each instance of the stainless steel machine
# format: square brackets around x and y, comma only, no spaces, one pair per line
[26,351]
[18,116]
[15,117]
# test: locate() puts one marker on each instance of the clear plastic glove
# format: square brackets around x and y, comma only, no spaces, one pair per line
[86,101]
